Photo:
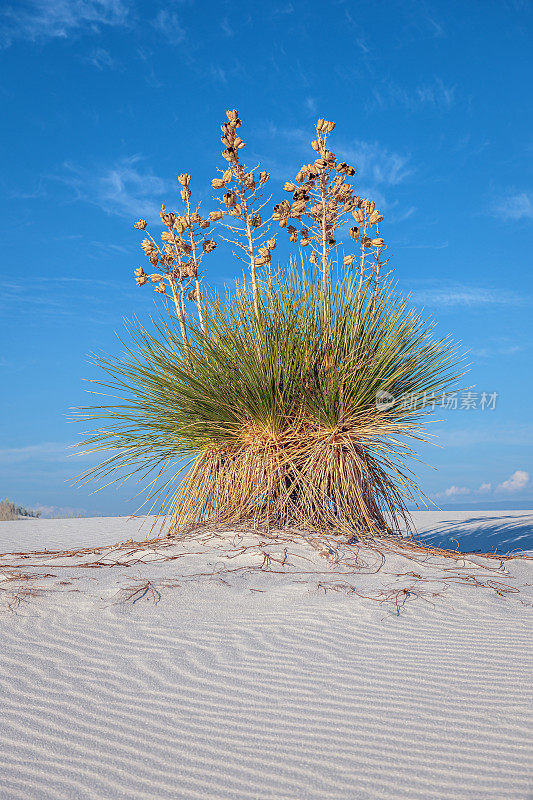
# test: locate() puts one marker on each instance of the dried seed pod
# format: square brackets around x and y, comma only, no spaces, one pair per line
[232,115]
[169,218]
[193,296]
[298,208]
[330,126]
[184,179]
[229,155]
[289,187]
[153,258]
[305,242]
[147,246]
[161,288]
[264,177]
[249,180]
[239,144]
[271,244]
[316,146]
[217,183]
[203,224]
[140,225]
[354,232]
[358,214]
[320,125]
[230,198]
[256,221]
[208,245]
[300,176]
[185,195]
[227,176]
[366,241]
[141,280]
[282,223]
[347,260]
[195,217]
[293,237]
[156,277]
[377,242]
[138,272]
[168,236]
[214,216]
[313,258]
[375,217]
[331,242]
[345,168]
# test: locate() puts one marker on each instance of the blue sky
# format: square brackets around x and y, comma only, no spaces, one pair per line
[105,102]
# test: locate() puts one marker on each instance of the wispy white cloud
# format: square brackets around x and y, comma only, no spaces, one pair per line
[101,59]
[453,491]
[126,188]
[375,163]
[515,483]
[497,349]
[463,295]
[513,207]
[418,246]
[435,95]
[484,488]
[508,435]
[38,20]
[168,24]
[226,28]
[45,451]
[218,74]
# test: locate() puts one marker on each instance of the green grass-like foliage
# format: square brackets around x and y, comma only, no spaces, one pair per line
[276,414]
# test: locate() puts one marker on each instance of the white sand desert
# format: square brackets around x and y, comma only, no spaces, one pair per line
[241,667]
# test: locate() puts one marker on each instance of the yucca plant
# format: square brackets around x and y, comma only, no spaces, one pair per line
[272,393]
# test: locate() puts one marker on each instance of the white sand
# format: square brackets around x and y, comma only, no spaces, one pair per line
[316,678]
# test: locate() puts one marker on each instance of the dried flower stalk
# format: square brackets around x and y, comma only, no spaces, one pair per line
[322,200]
[183,246]
[242,200]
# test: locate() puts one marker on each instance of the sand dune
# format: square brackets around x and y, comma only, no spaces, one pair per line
[236,676]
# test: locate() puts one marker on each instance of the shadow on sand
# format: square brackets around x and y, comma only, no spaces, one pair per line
[500,534]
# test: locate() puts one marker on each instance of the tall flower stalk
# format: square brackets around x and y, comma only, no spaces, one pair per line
[243,201]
